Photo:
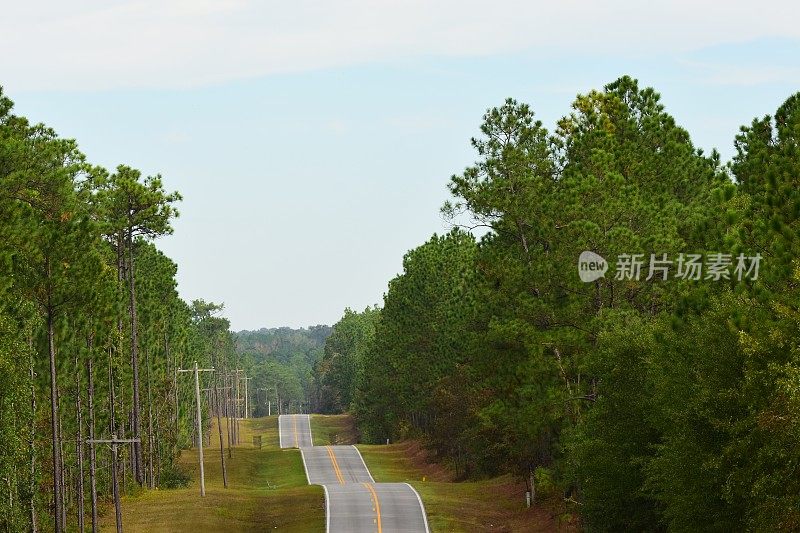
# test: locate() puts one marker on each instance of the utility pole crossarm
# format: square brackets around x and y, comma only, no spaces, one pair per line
[114,442]
[110,441]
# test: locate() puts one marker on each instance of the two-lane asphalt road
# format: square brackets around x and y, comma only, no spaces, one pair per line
[331,465]
[371,507]
[294,431]
[354,502]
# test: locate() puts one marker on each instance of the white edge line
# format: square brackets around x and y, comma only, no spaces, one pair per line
[362,462]
[280,432]
[310,435]
[305,467]
[327,510]
[422,507]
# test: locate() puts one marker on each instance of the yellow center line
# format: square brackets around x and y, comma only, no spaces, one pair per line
[335,464]
[374,496]
[294,425]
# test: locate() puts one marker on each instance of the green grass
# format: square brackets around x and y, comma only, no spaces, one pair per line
[488,505]
[333,429]
[268,490]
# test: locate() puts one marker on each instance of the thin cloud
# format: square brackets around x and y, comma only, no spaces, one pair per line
[93,45]
[744,75]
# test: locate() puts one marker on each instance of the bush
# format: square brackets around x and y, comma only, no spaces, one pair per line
[543,478]
[175,478]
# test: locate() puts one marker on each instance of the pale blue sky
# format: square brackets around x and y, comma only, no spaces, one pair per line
[313,142]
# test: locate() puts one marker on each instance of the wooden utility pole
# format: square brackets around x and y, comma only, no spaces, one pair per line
[228,425]
[151,481]
[238,403]
[246,398]
[197,371]
[114,442]
[238,397]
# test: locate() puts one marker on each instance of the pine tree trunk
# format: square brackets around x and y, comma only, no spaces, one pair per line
[32,444]
[112,424]
[57,501]
[219,432]
[64,501]
[150,440]
[159,459]
[174,388]
[137,425]
[121,279]
[79,445]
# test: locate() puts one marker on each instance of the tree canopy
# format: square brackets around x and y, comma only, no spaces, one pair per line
[660,395]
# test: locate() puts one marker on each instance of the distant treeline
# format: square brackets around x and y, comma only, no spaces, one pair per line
[649,404]
[281,363]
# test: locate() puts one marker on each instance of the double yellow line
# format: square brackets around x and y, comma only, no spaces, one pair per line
[374,496]
[335,464]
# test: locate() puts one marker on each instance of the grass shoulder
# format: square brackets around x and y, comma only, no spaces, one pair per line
[267,490]
[495,504]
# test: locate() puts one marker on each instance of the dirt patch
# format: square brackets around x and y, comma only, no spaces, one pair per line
[346,432]
[420,459]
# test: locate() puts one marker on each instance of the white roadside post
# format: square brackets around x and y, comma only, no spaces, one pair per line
[197,371]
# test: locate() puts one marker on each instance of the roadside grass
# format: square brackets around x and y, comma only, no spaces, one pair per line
[495,504]
[333,429]
[268,490]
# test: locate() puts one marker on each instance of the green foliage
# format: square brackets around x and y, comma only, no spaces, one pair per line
[70,235]
[653,405]
[281,362]
[545,486]
[606,451]
[175,477]
[340,373]
[15,412]
[417,339]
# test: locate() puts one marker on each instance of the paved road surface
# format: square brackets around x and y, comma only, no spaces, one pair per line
[295,431]
[335,465]
[371,507]
[354,502]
